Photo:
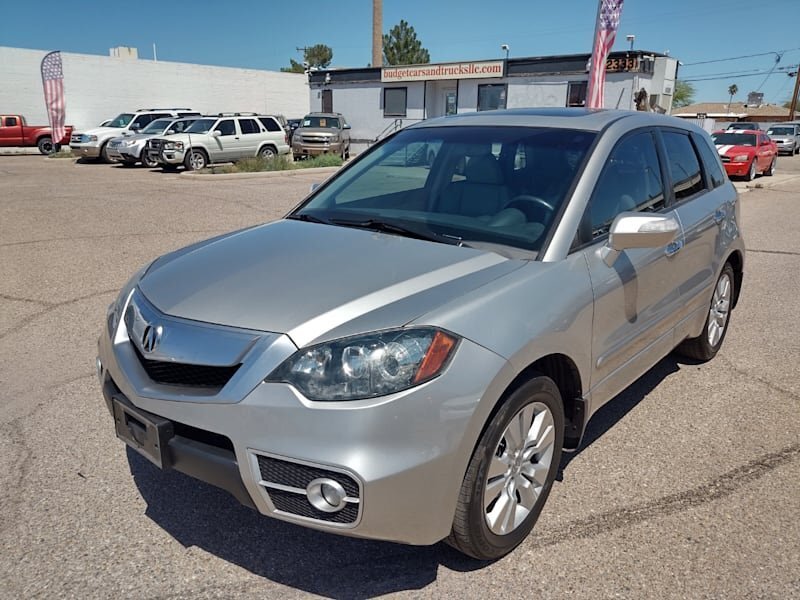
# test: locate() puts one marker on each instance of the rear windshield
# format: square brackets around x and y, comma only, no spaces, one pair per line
[734,139]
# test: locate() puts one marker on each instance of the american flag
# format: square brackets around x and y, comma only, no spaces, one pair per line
[607,24]
[53,82]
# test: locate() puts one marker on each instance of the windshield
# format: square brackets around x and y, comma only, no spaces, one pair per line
[323,122]
[781,131]
[743,126]
[734,139]
[200,126]
[121,120]
[157,126]
[489,187]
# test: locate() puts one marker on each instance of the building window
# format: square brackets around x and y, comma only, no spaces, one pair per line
[394,102]
[491,96]
[327,101]
[576,93]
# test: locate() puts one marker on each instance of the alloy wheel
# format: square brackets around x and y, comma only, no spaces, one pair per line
[720,310]
[519,468]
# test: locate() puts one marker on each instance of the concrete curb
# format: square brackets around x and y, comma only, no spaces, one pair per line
[259,175]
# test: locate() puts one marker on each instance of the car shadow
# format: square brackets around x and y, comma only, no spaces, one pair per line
[198,514]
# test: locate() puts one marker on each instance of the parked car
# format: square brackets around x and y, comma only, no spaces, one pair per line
[744,127]
[405,355]
[322,133]
[223,139]
[131,148]
[786,137]
[746,152]
[291,126]
[14,131]
[93,143]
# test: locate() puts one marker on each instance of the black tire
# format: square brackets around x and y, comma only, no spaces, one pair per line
[104,153]
[151,162]
[471,533]
[195,160]
[705,346]
[347,153]
[771,169]
[267,153]
[751,172]
[45,145]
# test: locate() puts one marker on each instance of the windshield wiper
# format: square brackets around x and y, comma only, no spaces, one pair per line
[308,218]
[388,227]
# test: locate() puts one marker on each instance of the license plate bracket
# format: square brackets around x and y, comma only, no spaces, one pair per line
[146,433]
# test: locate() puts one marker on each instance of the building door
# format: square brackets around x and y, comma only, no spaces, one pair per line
[450,101]
[327,101]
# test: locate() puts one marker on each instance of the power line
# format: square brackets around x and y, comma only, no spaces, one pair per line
[705,62]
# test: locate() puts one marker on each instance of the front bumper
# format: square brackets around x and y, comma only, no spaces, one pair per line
[785,146]
[302,149]
[737,169]
[171,157]
[85,150]
[405,454]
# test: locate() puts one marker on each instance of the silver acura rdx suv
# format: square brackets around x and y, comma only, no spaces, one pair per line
[407,353]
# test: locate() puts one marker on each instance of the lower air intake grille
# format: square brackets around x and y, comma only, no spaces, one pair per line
[171,373]
[298,476]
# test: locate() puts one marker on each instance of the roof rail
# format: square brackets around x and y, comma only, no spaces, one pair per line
[146,109]
[237,114]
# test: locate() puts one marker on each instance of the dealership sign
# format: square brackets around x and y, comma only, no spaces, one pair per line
[460,70]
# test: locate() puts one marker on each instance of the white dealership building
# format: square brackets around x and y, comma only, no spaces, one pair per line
[100,87]
[376,101]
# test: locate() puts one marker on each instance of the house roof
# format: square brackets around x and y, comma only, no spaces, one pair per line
[736,110]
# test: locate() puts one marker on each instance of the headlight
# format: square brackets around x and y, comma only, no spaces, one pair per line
[88,138]
[128,143]
[114,311]
[178,145]
[367,366]
[740,158]
[334,139]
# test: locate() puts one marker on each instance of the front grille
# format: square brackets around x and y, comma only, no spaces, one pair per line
[726,159]
[173,373]
[154,144]
[298,476]
[315,140]
[76,138]
[297,504]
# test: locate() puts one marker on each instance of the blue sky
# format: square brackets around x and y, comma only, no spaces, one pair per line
[264,34]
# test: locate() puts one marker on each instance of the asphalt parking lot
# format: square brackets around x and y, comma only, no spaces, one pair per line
[686,486]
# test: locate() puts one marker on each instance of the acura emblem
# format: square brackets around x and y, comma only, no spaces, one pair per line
[151,337]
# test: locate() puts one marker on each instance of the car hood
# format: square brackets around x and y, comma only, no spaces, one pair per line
[731,150]
[138,136]
[325,131]
[315,282]
[102,131]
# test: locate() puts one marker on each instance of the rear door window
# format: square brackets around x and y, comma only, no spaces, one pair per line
[249,126]
[713,167]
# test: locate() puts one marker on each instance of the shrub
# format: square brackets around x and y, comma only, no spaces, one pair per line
[279,163]
[63,153]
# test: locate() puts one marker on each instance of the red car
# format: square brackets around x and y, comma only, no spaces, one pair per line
[746,152]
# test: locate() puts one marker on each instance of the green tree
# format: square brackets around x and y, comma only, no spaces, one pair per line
[401,46]
[318,56]
[732,90]
[683,94]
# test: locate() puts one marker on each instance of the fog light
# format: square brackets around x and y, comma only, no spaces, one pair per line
[326,495]
[99,366]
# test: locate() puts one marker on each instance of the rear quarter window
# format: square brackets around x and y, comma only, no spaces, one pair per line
[270,124]
[711,162]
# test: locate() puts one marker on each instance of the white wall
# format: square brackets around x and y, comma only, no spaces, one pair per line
[362,106]
[100,87]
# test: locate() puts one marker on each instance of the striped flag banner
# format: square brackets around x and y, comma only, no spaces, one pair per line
[608,16]
[53,82]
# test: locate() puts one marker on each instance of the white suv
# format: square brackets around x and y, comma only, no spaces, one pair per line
[227,137]
[93,143]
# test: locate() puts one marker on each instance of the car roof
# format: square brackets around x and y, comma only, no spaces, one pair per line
[561,118]
[324,114]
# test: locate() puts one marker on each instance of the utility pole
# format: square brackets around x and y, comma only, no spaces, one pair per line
[377,33]
[793,105]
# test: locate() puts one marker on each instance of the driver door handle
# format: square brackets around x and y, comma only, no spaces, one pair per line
[673,247]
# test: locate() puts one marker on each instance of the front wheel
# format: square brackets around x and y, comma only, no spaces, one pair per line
[751,173]
[511,472]
[195,160]
[149,161]
[707,344]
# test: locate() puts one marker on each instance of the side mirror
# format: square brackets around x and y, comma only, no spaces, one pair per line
[638,230]
[216,133]
[135,127]
[346,126]
[314,186]
[169,132]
